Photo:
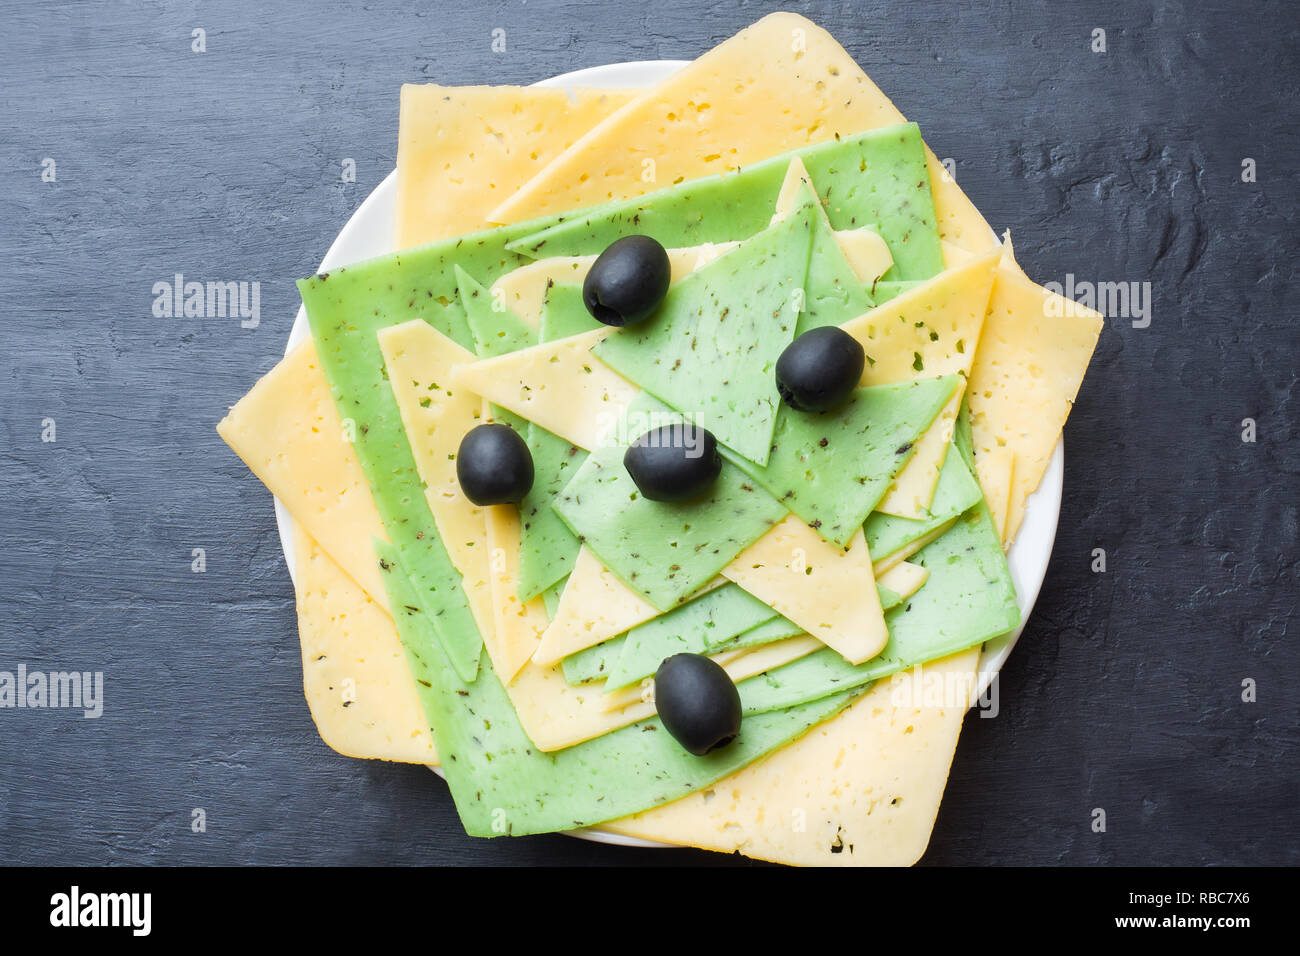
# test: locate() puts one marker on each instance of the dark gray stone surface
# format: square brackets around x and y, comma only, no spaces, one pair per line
[1126,690]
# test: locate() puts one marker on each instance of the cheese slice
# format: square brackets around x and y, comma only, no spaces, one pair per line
[523,290]
[420,362]
[288,431]
[558,385]
[720,113]
[861,789]
[995,469]
[1034,351]
[354,673]
[932,329]
[865,249]
[904,579]
[463,149]
[517,626]
[891,561]
[594,606]
[828,591]
[912,492]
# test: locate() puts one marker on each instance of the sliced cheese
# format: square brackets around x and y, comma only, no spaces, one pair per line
[354,673]
[288,431]
[912,492]
[904,579]
[463,149]
[780,84]
[995,469]
[1035,348]
[558,385]
[594,607]
[517,626]
[867,252]
[523,290]
[436,416]
[865,249]
[828,591]
[891,561]
[931,329]
[861,789]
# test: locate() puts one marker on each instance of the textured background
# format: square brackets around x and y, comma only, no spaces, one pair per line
[1125,691]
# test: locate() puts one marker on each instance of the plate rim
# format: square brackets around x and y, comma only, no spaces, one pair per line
[1034,548]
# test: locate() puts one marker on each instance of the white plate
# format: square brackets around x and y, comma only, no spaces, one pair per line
[370,231]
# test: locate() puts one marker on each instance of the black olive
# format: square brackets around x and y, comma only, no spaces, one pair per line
[494,465]
[674,462]
[819,369]
[627,281]
[697,702]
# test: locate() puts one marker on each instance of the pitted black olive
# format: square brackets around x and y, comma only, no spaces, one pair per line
[820,369]
[494,465]
[697,702]
[674,462]
[627,281]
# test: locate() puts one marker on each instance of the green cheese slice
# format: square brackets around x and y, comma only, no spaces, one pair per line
[564,313]
[877,179]
[834,293]
[665,552]
[885,289]
[710,349]
[551,597]
[956,492]
[832,469]
[496,331]
[503,785]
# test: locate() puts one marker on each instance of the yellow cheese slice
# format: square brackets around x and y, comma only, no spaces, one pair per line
[995,468]
[722,112]
[828,591]
[594,606]
[889,562]
[904,579]
[867,252]
[861,789]
[435,415]
[516,626]
[954,255]
[288,431]
[463,149]
[523,290]
[931,329]
[354,671]
[1033,353]
[558,385]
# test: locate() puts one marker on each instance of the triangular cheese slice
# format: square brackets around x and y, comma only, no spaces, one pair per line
[558,385]
[828,591]
[1033,354]
[931,329]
